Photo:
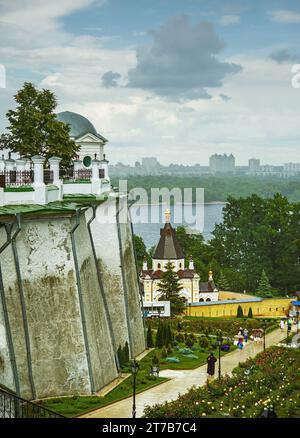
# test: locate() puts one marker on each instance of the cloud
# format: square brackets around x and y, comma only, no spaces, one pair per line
[110,79]
[227,20]
[284,55]
[285,16]
[181,62]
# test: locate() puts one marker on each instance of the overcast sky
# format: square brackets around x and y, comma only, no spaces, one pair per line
[176,79]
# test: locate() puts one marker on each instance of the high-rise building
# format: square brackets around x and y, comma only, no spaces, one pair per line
[253,165]
[222,163]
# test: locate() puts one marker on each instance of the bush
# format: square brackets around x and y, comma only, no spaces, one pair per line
[204,342]
[164,352]
[150,343]
[155,359]
[240,313]
[189,341]
[250,314]
[169,350]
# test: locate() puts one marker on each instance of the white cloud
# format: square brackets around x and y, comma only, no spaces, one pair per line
[227,20]
[285,16]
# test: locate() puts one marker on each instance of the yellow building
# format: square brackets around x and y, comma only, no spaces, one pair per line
[269,307]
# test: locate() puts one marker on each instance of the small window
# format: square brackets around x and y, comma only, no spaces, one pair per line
[87,161]
[208,299]
[201,300]
[158,265]
[180,265]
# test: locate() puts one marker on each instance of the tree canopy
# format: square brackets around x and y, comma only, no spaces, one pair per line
[34,129]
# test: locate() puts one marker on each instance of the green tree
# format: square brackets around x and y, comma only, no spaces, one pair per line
[264,288]
[240,313]
[149,337]
[170,288]
[222,282]
[140,250]
[159,336]
[34,129]
[250,313]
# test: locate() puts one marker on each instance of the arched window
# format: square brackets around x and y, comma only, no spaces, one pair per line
[158,265]
[201,300]
[180,265]
[208,299]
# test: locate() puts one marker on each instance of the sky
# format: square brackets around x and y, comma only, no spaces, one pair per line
[175,79]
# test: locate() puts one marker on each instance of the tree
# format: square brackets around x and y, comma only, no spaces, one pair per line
[222,282]
[240,313]
[140,250]
[34,128]
[250,313]
[170,287]
[149,337]
[159,338]
[264,288]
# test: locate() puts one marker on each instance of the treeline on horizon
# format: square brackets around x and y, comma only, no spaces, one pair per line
[219,188]
[255,249]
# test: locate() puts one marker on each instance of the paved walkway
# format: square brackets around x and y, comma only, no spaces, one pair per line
[182,380]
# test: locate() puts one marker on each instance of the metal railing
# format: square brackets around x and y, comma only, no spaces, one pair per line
[12,406]
[81,174]
[16,178]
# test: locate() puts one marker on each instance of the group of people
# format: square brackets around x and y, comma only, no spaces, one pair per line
[289,323]
[243,336]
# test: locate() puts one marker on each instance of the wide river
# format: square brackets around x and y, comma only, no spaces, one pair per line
[210,214]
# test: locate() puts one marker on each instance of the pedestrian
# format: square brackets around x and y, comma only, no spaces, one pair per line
[240,344]
[282,324]
[211,362]
[245,335]
[240,333]
[289,325]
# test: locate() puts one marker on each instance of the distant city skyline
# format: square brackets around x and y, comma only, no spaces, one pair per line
[178,79]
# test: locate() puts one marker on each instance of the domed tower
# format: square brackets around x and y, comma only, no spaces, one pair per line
[85,135]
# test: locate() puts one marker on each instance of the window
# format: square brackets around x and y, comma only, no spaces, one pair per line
[208,299]
[201,299]
[180,265]
[158,265]
[87,161]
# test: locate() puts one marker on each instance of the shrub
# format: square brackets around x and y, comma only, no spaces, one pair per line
[164,352]
[155,359]
[250,314]
[240,313]
[150,343]
[204,342]
[169,350]
[189,342]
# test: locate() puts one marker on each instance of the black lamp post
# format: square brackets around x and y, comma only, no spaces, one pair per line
[219,340]
[134,370]
[297,320]
[264,329]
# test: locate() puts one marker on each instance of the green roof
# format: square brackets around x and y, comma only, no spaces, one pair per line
[79,125]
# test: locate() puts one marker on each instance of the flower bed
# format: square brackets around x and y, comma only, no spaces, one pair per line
[270,379]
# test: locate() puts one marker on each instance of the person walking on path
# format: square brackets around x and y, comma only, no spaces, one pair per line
[211,364]
[289,325]
[282,324]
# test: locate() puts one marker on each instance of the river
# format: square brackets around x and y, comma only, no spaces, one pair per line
[150,231]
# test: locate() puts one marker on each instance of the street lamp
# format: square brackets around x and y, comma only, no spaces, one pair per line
[134,370]
[264,330]
[297,320]
[219,340]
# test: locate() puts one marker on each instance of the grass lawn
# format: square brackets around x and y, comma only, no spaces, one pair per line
[77,405]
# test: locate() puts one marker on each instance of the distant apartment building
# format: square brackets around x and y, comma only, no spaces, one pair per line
[222,163]
[291,169]
[253,165]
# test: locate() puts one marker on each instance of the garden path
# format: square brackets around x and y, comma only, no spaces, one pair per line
[181,380]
